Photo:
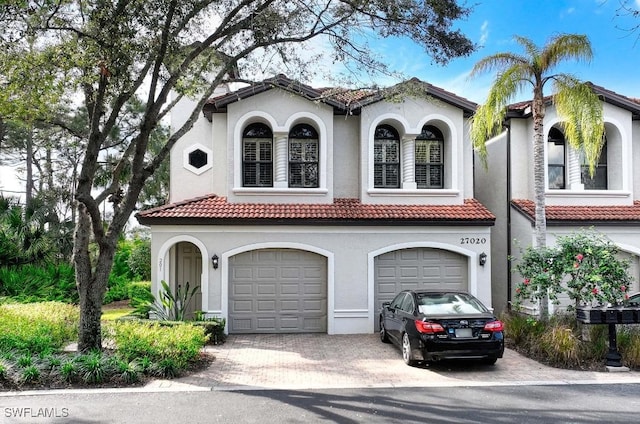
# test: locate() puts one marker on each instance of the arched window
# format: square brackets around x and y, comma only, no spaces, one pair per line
[386,157]
[599,180]
[429,158]
[556,159]
[303,156]
[257,156]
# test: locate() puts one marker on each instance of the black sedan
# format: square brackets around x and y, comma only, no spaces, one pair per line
[432,325]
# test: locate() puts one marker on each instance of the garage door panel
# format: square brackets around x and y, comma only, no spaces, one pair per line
[265,289]
[241,288]
[242,306]
[289,292]
[408,272]
[241,324]
[290,288]
[262,306]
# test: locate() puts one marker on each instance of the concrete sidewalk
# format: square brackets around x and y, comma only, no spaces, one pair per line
[320,361]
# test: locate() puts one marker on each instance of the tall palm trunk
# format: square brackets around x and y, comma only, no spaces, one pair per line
[540,229]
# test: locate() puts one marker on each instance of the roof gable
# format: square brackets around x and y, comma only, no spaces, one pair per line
[342,100]
[523,109]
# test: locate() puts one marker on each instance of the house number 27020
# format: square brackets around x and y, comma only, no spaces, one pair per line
[473,240]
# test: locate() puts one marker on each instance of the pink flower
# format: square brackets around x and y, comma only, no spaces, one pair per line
[623,288]
[518,290]
[626,296]
[579,257]
[526,281]
[595,290]
[576,265]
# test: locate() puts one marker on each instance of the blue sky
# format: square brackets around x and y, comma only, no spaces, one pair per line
[493,23]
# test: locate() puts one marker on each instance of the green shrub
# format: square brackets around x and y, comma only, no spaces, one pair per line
[180,342]
[141,298]
[117,288]
[629,346]
[213,329]
[94,367]
[30,374]
[140,290]
[37,327]
[139,260]
[33,283]
[128,371]
[69,371]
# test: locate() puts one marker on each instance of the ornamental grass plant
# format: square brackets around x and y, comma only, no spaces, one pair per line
[33,337]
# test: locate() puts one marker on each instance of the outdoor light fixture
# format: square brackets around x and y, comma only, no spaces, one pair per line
[482,259]
[214,261]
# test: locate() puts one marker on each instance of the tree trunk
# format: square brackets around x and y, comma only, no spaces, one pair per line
[540,228]
[29,165]
[91,283]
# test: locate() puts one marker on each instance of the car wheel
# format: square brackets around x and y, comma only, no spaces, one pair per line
[407,356]
[489,361]
[384,337]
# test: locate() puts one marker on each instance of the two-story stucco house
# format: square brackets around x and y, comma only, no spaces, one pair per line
[609,202]
[301,210]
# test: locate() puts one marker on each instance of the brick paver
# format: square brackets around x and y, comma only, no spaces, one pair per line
[320,361]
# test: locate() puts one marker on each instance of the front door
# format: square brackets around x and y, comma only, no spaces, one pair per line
[189,270]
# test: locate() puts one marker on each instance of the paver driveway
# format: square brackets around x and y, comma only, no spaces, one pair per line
[318,361]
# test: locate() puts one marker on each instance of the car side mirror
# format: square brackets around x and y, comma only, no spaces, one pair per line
[386,305]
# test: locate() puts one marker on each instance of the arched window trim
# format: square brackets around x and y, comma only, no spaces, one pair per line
[429,158]
[257,156]
[386,157]
[304,157]
[556,159]
[600,177]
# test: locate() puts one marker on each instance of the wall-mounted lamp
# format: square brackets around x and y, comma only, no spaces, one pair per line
[482,259]
[214,261]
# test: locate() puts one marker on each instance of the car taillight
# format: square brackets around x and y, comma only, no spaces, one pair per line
[494,326]
[426,327]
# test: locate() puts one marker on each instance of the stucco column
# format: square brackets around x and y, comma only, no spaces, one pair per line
[409,163]
[280,156]
[574,173]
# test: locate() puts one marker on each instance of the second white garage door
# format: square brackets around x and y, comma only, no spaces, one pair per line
[419,268]
[277,291]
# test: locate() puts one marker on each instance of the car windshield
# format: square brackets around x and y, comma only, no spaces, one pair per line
[449,304]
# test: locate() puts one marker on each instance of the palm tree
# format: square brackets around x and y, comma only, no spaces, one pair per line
[577,105]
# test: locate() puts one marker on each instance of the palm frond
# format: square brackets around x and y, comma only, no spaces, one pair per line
[499,62]
[566,46]
[582,112]
[487,121]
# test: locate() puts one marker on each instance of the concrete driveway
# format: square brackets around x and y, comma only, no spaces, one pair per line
[320,361]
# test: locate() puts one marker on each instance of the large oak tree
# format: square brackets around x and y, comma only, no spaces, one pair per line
[108,54]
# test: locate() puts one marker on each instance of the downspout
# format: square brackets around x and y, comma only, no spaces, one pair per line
[507,124]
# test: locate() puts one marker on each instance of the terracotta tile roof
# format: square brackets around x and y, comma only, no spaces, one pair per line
[608,96]
[582,214]
[216,210]
[343,100]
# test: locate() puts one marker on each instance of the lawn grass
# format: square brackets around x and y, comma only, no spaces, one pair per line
[113,314]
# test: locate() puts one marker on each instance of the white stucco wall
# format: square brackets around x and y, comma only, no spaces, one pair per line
[349,250]
[281,111]
[408,117]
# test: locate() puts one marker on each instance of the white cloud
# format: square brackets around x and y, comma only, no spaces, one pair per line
[484,32]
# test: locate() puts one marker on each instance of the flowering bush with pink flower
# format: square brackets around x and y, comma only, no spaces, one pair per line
[584,265]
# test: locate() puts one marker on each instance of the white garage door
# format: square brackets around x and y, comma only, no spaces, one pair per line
[419,268]
[278,291]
